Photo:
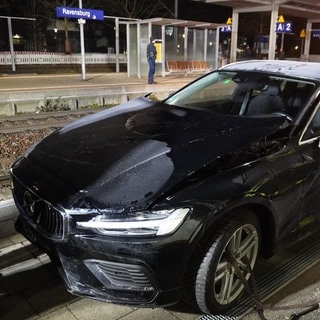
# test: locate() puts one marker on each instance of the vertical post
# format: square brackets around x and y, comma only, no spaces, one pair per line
[282,40]
[117,44]
[272,32]
[307,41]
[205,45]
[194,43]
[217,49]
[234,37]
[176,4]
[128,50]
[163,51]
[139,50]
[83,65]
[149,30]
[13,62]
[185,44]
[35,42]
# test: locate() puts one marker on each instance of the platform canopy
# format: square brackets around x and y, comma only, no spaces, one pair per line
[182,23]
[308,9]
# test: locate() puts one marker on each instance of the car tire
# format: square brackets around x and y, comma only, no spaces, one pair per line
[217,286]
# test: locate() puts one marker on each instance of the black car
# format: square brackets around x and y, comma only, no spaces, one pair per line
[155,201]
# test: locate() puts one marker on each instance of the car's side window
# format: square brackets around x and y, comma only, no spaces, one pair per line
[315,123]
[313,130]
[295,94]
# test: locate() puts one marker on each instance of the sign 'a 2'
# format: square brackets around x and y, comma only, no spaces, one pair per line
[283,26]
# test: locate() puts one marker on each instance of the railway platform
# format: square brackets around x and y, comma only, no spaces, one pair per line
[21,93]
[31,83]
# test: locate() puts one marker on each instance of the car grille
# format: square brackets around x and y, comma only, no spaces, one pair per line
[39,212]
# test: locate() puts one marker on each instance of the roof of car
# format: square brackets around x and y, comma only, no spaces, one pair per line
[297,69]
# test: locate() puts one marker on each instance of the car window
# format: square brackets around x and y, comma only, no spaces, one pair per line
[207,92]
[245,94]
[296,94]
[313,130]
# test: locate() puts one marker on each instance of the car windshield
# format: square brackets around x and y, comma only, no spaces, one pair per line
[244,93]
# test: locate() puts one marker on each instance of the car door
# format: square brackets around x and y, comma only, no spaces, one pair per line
[309,215]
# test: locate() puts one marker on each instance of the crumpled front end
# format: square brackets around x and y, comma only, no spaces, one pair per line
[91,272]
[102,255]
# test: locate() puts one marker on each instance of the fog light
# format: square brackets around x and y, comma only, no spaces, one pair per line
[120,275]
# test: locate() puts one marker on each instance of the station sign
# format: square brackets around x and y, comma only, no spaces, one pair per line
[283,27]
[226,29]
[302,33]
[315,34]
[79,13]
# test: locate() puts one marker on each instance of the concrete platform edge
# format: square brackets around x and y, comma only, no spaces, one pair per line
[8,210]
[8,215]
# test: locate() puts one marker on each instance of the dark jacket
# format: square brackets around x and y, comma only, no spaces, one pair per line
[151,51]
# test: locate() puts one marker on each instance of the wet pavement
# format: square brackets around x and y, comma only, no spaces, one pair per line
[33,83]
[30,287]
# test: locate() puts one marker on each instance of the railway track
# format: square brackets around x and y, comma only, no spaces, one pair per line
[37,121]
[4,180]
[17,133]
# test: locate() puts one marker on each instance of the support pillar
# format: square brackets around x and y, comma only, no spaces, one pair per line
[13,59]
[272,33]
[307,42]
[234,36]
[185,43]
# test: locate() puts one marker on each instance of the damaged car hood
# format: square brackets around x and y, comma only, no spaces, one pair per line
[102,157]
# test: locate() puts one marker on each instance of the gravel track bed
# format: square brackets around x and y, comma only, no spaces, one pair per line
[19,133]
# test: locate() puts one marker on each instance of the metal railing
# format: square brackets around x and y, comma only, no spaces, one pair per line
[29,57]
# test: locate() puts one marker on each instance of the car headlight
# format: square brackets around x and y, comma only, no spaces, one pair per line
[156,223]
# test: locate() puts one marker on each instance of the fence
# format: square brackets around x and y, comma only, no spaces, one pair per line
[28,57]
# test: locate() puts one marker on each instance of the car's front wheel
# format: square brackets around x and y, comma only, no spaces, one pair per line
[217,286]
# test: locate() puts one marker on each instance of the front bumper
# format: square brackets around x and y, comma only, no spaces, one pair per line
[137,273]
